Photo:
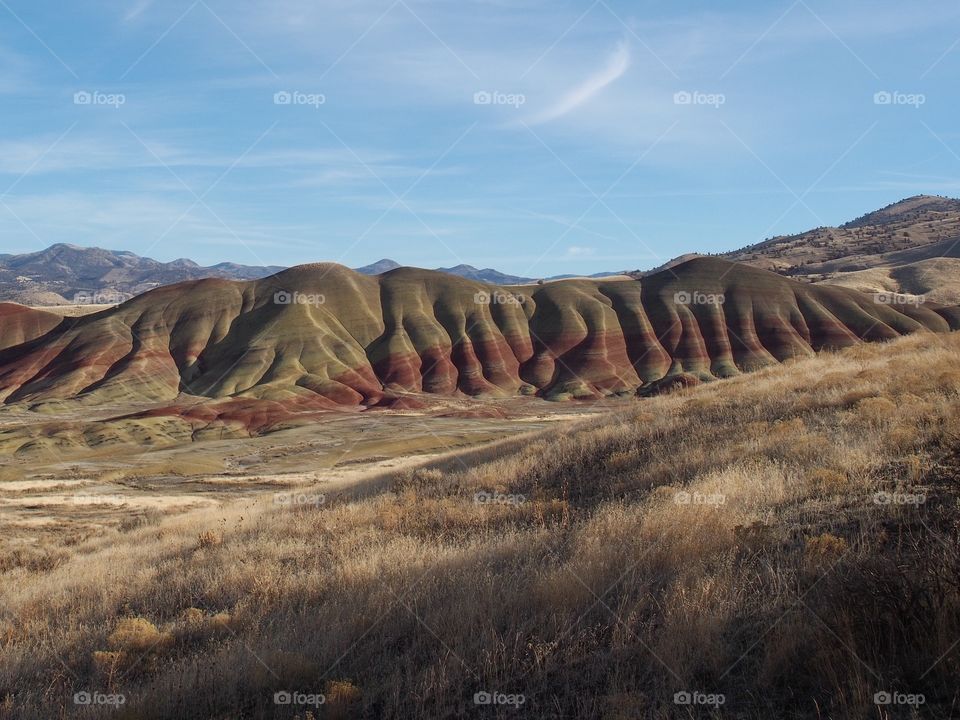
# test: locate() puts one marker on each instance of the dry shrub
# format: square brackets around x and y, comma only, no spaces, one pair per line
[621,459]
[829,482]
[823,551]
[787,429]
[137,635]
[546,512]
[198,627]
[753,537]
[144,518]
[851,397]
[876,410]
[949,381]
[914,468]
[209,539]
[903,438]
[342,699]
[108,663]
[34,559]
[803,450]
[135,643]
[418,479]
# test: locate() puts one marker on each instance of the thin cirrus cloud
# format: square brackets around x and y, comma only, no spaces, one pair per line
[137,10]
[616,65]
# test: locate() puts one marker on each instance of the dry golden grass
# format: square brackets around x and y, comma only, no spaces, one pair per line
[762,538]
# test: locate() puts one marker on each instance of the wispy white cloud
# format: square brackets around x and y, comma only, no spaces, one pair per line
[137,10]
[616,65]
[40,155]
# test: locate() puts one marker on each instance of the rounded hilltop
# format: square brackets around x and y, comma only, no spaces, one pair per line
[327,332]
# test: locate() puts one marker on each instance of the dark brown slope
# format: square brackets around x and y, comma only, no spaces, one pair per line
[350,339]
[19,324]
[920,226]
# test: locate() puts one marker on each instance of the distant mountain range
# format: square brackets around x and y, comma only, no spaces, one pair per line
[910,247]
[487,275]
[67,274]
[64,274]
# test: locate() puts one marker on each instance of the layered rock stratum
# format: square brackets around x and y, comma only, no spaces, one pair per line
[318,336]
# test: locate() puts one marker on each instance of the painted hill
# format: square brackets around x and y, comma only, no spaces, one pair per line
[19,324]
[322,336]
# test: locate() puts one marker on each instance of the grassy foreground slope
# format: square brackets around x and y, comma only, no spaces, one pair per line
[786,540]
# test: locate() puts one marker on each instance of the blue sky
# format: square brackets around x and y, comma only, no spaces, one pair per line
[535,137]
